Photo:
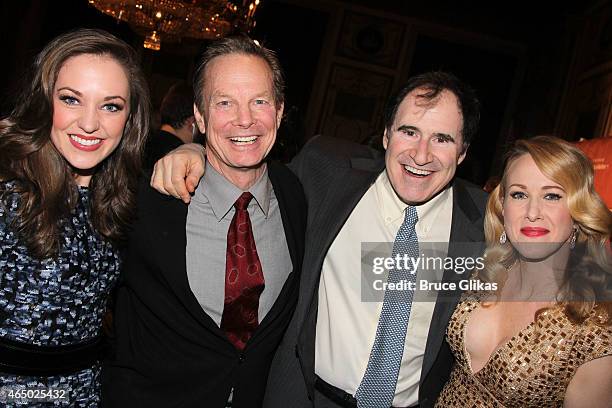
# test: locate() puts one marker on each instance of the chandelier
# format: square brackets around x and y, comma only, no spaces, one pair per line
[175,19]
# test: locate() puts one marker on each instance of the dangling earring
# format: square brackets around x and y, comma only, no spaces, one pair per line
[572,243]
[503,238]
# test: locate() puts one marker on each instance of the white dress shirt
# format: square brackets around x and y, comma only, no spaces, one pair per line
[346,325]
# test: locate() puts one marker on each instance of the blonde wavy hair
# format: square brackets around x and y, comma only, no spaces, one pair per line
[587,286]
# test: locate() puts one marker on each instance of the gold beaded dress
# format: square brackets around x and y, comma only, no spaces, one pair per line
[533,369]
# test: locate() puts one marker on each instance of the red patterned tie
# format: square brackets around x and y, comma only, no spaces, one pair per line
[244,280]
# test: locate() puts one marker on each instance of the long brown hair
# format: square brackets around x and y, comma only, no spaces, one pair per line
[588,276]
[44,180]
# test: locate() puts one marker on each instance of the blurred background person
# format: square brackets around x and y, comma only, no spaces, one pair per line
[177,123]
[70,156]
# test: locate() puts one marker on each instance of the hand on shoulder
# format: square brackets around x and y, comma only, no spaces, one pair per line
[178,173]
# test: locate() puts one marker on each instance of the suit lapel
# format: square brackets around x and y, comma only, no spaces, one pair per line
[288,214]
[290,220]
[344,191]
[466,234]
[166,225]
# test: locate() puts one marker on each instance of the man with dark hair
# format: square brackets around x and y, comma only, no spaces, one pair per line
[209,288]
[177,123]
[340,349]
[431,85]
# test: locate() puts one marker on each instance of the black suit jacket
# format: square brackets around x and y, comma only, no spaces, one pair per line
[158,146]
[169,352]
[335,175]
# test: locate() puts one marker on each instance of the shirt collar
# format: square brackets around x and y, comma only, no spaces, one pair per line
[222,194]
[393,207]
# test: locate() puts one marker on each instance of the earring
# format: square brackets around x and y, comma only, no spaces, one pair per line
[572,243]
[503,238]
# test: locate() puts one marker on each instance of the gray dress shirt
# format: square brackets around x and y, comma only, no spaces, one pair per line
[208,218]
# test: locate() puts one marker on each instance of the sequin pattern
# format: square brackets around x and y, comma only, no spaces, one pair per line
[56,301]
[533,369]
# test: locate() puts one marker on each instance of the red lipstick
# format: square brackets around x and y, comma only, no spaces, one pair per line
[534,231]
[87,148]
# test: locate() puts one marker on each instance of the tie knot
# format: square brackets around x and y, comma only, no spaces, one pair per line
[243,201]
[411,217]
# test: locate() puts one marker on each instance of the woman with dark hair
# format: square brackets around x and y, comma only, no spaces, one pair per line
[543,338]
[69,160]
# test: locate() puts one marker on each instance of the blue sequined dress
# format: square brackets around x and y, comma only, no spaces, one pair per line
[56,301]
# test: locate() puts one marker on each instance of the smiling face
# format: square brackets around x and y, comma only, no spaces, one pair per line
[537,219]
[240,117]
[424,146]
[90,109]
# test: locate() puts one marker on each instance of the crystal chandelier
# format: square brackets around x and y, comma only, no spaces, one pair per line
[175,19]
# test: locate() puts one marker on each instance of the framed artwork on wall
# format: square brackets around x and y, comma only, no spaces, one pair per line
[376,41]
[354,103]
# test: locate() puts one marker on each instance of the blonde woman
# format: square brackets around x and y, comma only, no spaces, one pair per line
[544,338]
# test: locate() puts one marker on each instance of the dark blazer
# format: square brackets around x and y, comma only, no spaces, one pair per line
[159,145]
[169,352]
[335,175]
